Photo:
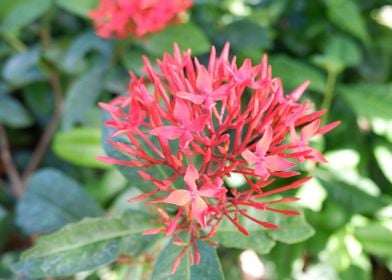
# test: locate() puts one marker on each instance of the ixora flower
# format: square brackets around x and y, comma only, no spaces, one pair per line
[200,124]
[121,18]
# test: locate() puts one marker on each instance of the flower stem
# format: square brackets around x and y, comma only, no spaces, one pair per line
[329,93]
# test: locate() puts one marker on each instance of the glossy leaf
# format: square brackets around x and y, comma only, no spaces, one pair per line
[86,245]
[80,146]
[52,200]
[163,41]
[208,268]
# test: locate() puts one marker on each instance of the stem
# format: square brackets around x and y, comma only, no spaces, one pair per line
[13,175]
[54,80]
[329,93]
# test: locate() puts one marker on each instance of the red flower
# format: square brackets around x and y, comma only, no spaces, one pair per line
[204,123]
[121,18]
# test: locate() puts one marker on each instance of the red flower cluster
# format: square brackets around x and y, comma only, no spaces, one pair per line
[121,18]
[204,123]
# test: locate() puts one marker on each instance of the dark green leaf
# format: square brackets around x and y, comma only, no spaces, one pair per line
[22,68]
[80,146]
[246,36]
[208,268]
[81,96]
[52,200]
[12,113]
[187,35]
[24,13]
[86,245]
[294,72]
[77,7]
[369,100]
[346,15]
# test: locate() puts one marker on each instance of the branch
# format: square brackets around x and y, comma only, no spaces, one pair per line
[55,83]
[50,129]
[17,186]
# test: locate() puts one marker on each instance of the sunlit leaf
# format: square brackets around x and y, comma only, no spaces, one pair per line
[80,146]
[86,245]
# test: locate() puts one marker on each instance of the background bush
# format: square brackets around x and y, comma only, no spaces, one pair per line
[54,69]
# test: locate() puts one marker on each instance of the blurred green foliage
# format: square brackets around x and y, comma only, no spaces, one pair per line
[54,69]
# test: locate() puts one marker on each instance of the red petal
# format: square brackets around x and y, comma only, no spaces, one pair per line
[194,98]
[250,157]
[199,210]
[329,127]
[278,163]
[167,132]
[191,175]
[203,80]
[178,197]
[308,131]
[263,145]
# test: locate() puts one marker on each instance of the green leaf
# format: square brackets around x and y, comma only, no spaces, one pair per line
[7,6]
[229,236]
[86,245]
[81,46]
[77,7]
[81,96]
[22,68]
[339,53]
[350,197]
[346,15]
[294,72]
[80,146]
[208,268]
[129,172]
[52,200]
[369,100]
[187,35]
[246,36]
[25,13]
[375,238]
[292,229]
[12,113]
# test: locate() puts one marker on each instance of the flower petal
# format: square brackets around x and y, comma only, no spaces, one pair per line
[199,210]
[250,157]
[167,132]
[191,175]
[278,163]
[194,98]
[178,197]
[203,80]
[264,143]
